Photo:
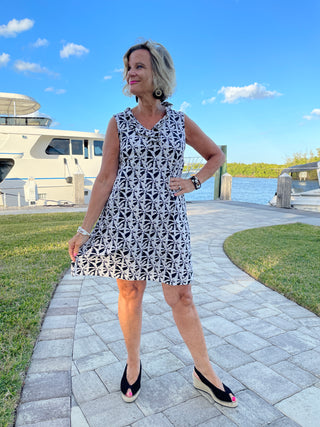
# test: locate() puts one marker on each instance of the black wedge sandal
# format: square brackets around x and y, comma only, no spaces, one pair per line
[216,393]
[135,388]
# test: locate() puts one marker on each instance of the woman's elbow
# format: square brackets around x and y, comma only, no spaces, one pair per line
[218,158]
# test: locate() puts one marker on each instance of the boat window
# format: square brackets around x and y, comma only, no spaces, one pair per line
[39,121]
[58,146]
[98,148]
[77,146]
[11,121]
[17,121]
[86,149]
[5,168]
[26,121]
[304,181]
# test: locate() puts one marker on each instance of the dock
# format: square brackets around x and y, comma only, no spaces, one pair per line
[265,347]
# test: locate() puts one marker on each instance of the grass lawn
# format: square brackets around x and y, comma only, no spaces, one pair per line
[285,258]
[33,257]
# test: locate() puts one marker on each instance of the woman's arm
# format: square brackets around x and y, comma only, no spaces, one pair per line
[102,186]
[204,145]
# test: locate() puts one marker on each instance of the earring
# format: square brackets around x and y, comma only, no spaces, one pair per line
[158,93]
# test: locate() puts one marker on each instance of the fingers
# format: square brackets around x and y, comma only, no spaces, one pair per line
[179,192]
[176,184]
[181,186]
[75,244]
[72,251]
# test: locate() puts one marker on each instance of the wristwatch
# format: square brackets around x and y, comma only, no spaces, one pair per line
[195,182]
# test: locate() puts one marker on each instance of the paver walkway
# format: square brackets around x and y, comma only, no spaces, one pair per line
[264,346]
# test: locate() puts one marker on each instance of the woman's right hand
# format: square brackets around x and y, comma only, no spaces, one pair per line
[75,243]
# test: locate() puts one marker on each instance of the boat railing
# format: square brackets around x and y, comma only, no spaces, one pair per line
[192,165]
[4,199]
[25,121]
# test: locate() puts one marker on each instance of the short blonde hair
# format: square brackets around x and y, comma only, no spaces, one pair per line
[164,75]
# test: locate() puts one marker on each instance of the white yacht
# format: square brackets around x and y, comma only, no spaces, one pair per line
[38,164]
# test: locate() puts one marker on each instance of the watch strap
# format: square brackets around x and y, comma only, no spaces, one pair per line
[196,182]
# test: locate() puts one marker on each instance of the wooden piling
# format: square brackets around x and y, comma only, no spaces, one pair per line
[226,186]
[284,191]
[78,188]
[217,177]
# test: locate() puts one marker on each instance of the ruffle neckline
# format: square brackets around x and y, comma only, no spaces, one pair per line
[140,128]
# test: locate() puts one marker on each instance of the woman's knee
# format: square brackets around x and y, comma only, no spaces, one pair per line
[131,290]
[178,296]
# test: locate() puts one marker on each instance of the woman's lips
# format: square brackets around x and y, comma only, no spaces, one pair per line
[132,82]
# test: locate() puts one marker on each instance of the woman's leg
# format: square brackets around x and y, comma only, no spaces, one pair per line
[130,318]
[187,320]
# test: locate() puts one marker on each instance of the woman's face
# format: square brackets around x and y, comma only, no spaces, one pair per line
[139,75]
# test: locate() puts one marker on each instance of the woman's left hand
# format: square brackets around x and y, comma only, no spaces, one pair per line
[181,186]
[75,244]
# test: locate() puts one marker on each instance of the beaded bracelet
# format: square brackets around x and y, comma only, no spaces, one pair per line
[83,231]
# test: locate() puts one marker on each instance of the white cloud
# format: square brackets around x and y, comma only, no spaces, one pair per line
[315,114]
[316,111]
[107,77]
[14,27]
[4,59]
[73,49]
[56,91]
[41,43]
[118,70]
[184,106]
[32,67]
[253,91]
[29,66]
[208,101]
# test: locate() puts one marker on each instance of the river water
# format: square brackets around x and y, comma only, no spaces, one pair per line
[250,190]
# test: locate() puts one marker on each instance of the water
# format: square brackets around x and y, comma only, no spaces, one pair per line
[250,190]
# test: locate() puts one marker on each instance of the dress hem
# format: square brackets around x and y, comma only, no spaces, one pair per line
[121,276]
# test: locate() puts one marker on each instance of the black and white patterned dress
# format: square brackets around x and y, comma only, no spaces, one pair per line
[143,232]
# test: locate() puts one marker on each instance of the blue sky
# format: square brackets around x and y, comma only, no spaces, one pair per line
[247,70]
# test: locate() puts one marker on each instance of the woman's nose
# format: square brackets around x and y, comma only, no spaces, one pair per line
[131,72]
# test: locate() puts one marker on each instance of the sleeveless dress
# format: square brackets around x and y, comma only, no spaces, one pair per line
[143,231]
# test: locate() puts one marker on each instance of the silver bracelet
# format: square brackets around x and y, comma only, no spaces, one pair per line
[83,231]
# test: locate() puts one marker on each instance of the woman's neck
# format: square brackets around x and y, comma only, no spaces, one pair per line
[148,113]
[149,107]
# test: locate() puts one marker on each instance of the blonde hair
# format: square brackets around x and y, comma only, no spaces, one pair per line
[164,75]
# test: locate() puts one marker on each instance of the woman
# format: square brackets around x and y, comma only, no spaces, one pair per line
[142,232]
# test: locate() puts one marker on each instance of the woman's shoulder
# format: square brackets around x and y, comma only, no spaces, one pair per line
[122,114]
[175,115]
[124,118]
